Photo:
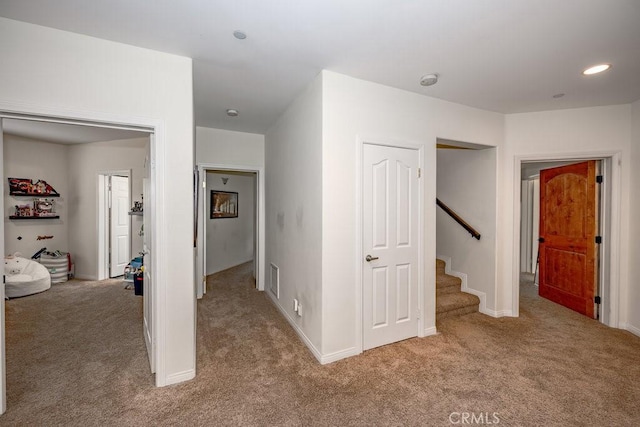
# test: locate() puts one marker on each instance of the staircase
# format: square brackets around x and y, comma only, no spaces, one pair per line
[450,300]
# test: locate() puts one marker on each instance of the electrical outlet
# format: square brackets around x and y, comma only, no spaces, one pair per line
[296,306]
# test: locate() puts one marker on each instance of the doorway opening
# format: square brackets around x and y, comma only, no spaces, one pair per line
[67,135]
[116,223]
[605,226]
[466,183]
[230,221]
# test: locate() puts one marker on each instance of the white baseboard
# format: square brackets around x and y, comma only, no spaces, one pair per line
[180,377]
[500,313]
[627,327]
[430,331]
[316,353]
[88,278]
[338,355]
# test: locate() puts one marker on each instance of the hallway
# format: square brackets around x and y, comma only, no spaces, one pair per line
[550,366]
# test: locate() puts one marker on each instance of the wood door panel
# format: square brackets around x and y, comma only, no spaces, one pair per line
[565,270]
[567,230]
[566,210]
[568,300]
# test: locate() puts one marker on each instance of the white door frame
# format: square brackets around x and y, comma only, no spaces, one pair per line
[104,238]
[359,259]
[610,255]
[3,359]
[259,226]
[12,109]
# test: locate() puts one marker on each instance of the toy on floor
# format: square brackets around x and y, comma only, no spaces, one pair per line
[133,275]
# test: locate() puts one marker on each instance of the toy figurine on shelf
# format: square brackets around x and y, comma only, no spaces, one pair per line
[26,187]
[137,206]
[43,207]
[23,210]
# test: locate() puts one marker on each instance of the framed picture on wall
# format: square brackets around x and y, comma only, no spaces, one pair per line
[224,204]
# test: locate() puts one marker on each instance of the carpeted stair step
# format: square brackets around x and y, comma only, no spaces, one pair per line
[457,304]
[450,300]
[446,284]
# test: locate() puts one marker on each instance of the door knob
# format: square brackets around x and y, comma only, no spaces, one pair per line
[370,258]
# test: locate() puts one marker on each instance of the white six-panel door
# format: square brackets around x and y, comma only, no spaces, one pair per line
[120,222]
[390,244]
[148,286]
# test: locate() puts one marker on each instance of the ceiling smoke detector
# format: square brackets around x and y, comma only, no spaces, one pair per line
[232,113]
[240,35]
[429,79]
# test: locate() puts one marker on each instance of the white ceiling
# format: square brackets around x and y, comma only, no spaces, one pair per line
[507,56]
[66,134]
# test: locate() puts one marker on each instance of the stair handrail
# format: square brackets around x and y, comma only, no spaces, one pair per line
[458,219]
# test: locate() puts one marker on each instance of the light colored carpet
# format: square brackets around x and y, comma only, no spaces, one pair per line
[76,357]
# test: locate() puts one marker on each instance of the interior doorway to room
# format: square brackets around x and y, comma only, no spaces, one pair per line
[466,184]
[115,219]
[564,232]
[22,139]
[230,221]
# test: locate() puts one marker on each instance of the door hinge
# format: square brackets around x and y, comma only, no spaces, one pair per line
[598,239]
[418,314]
[419,172]
[204,184]
[599,179]
[540,239]
[204,279]
[597,300]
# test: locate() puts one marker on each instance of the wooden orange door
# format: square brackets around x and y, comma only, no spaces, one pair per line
[568,227]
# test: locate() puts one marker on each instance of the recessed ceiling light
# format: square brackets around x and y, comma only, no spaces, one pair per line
[558,95]
[232,113]
[429,79]
[596,69]
[240,35]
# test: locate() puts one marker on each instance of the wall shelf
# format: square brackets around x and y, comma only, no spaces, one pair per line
[43,195]
[136,213]
[34,217]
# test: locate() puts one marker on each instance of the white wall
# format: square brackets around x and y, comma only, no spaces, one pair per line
[73,171]
[61,73]
[86,161]
[225,147]
[633,319]
[579,132]
[26,158]
[466,182]
[230,241]
[294,221]
[353,108]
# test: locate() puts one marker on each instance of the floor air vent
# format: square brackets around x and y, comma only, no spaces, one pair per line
[275,280]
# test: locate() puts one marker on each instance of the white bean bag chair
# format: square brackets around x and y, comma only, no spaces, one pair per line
[25,277]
